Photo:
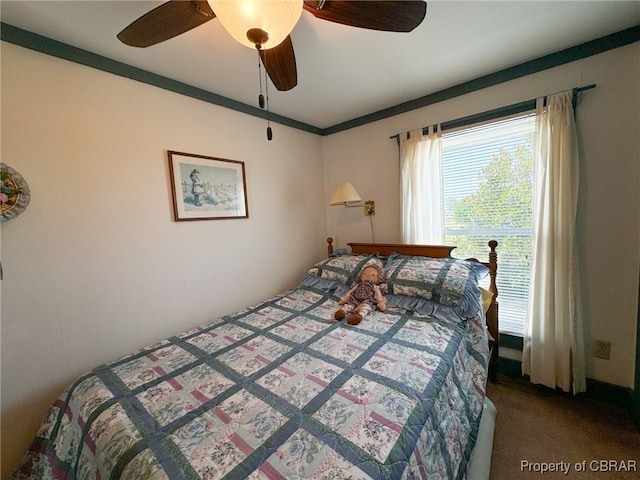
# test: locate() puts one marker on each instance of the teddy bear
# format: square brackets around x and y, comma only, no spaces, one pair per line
[363,298]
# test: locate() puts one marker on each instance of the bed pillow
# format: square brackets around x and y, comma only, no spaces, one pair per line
[486,297]
[345,268]
[445,281]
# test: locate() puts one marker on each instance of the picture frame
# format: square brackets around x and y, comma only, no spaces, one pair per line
[14,193]
[207,188]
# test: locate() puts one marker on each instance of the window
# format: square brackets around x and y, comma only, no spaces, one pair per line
[488,194]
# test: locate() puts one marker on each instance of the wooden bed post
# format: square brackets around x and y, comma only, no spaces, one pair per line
[329,246]
[493,267]
[492,313]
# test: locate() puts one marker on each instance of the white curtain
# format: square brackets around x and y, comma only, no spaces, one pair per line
[553,344]
[421,187]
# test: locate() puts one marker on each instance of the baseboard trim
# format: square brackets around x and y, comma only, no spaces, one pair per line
[616,395]
[609,393]
[510,367]
[635,410]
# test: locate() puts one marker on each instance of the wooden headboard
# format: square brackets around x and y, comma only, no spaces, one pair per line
[444,251]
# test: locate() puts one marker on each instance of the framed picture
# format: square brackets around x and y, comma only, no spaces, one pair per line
[14,193]
[207,188]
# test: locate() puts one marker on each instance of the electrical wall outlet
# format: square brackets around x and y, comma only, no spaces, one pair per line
[601,349]
[369,207]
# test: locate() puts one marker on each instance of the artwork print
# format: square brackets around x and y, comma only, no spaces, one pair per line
[14,193]
[207,188]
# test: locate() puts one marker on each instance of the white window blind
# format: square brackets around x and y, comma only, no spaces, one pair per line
[488,178]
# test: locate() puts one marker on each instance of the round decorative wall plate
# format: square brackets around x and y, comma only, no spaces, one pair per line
[14,193]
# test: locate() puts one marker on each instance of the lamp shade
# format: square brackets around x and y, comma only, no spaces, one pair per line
[276,17]
[344,194]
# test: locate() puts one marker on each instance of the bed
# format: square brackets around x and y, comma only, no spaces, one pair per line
[280,390]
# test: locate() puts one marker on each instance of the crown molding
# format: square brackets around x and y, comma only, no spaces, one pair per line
[23,38]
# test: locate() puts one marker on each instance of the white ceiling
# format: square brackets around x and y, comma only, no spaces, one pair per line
[343,72]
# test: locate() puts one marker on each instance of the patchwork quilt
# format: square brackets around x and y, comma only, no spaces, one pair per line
[277,391]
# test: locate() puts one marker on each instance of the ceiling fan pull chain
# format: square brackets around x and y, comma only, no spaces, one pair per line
[260,96]
[266,89]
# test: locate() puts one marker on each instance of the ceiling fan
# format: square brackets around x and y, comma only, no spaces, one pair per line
[275,48]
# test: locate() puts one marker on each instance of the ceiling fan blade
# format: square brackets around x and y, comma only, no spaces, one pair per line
[389,16]
[280,64]
[166,21]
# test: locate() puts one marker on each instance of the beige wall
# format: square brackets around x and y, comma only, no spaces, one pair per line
[608,119]
[95,267]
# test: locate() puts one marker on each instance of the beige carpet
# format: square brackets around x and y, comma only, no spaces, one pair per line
[543,428]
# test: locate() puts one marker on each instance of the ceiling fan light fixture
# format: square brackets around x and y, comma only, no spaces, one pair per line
[275,17]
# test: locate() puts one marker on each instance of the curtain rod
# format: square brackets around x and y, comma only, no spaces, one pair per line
[499,112]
